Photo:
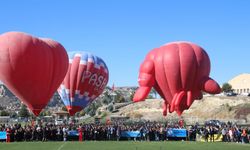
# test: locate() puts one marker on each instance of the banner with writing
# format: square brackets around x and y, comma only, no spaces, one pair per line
[201,138]
[182,133]
[3,135]
[73,133]
[130,134]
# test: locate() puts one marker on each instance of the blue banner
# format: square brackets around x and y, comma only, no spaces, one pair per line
[176,133]
[130,134]
[73,133]
[3,135]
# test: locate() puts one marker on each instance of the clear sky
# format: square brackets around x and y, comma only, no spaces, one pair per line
[122,32]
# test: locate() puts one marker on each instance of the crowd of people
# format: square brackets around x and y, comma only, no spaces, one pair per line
[102,132]
[226,133]
[149,131]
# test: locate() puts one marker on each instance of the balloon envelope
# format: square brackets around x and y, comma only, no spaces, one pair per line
[32,68]
[179,71]
[85,80]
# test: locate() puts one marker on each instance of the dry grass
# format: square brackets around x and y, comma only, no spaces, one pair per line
[223,108]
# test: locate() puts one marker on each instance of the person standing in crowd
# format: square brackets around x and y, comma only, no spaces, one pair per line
[118,133]
[190,133]
[238,134]
[157,132]
[12,134]
[28,134]
[8,131]
[52,130]
[65,133]
[95,134]
[141,133]
[206,134]
[33,138]
[244,136]
[44,134]
[59,134]
[110,132]
[230,135]
[146,133]
[224,134]
[39,133]
[80,133]
[161,133]
[181,123]
[211,133]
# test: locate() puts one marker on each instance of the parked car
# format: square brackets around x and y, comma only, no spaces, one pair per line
[231,94]
[245,94]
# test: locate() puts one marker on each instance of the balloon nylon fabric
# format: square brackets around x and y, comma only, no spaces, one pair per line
[32,68]
[85,80]
[179,71]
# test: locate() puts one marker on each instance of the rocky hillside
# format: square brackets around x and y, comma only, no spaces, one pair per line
[10,102]
[223,108]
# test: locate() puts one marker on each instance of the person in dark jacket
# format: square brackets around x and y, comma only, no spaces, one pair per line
[211,133]
[206,134]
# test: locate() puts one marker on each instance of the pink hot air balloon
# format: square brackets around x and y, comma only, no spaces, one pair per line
[179,71]
[32,68]
[85,80]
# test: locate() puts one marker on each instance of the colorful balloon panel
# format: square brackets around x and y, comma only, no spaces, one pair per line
[85,80]
[32,68]
[179,71]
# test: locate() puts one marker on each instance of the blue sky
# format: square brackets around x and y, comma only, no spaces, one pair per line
[122,32]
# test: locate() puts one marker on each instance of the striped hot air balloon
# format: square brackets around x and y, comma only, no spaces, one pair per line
[85,80]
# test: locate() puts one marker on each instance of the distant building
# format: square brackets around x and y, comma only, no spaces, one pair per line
[64,115]
[241,83]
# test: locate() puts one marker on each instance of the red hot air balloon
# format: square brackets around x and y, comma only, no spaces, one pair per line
[86,79]
[178,71]
[32,68]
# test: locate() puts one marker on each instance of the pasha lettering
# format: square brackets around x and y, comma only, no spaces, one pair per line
[94,79]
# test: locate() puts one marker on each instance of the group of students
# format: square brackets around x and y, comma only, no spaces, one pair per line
[229,133]
[149,131]
[235,134]
[19,133]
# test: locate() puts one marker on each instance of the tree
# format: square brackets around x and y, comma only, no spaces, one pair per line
[4,113]
[42,114]
[24,112]
[226,87]
[48,113]
[13,114]
[106,101]
[82,113]
[150,96]
[91,109]
[119,98]
[132,95]
[64,108]
[153,92]
[106,98]
[110,108]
